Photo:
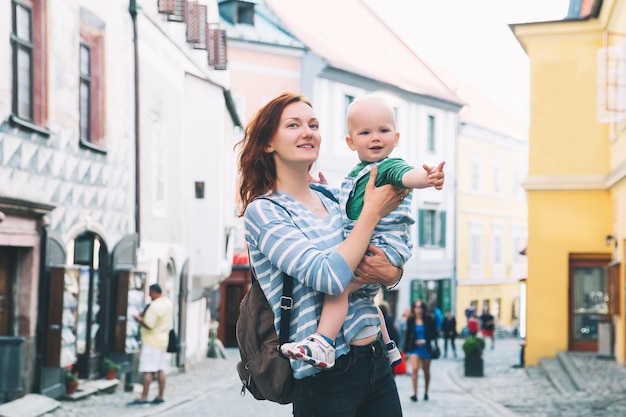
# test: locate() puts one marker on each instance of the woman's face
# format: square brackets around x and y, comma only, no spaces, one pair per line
[297,140]
[418,308]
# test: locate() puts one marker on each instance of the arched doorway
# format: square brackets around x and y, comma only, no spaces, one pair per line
[91,255]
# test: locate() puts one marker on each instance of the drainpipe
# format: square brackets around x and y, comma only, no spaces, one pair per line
[132,9]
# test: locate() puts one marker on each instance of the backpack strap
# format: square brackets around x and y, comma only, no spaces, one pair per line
[286,303]
[324,190]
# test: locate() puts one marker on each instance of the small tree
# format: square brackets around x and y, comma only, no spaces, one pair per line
[474,346]
[108,364]
[69,375]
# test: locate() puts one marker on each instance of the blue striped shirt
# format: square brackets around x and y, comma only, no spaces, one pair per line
[289,237]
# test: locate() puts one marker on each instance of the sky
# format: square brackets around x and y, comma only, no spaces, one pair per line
[472,39]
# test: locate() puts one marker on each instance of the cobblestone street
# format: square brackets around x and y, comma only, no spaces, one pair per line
[212,388]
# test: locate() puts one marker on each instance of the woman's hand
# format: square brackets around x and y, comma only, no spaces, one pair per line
[376,269]
[381,200]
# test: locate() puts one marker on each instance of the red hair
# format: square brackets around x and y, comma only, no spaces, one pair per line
[257,169]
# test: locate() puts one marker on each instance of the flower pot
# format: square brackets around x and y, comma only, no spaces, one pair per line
[70,387]
[473,366]
[110,373]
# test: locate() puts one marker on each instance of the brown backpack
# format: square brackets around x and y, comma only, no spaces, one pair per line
[263,370]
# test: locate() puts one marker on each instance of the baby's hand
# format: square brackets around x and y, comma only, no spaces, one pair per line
[321,180]
[435,175]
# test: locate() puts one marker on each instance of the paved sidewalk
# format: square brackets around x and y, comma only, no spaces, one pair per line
[504,391]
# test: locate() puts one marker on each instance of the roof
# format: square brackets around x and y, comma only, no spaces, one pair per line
[266,29]
[349,36]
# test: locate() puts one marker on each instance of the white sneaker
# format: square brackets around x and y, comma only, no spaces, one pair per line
[314,350]
[393,354]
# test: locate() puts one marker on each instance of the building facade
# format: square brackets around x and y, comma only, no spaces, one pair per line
[111,124]
[491,211]
[188,126]
[576,182]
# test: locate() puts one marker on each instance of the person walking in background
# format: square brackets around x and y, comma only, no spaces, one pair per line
[155,321]
[488,326]
[448,329]
[468,312]
[473,324]
[438,316]
[420,331]
[290,228]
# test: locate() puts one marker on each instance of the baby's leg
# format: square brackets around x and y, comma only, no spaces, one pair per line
[392,350]
[319,348]
[334,312]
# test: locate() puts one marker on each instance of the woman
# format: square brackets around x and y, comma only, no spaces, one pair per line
[420,331]
[448,328]
[293,229]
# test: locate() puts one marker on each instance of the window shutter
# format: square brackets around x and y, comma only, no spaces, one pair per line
[174,9]
[420,223]
[217,47]
[167,6]
[442,229]
[197,25]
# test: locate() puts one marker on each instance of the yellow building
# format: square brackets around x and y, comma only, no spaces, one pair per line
[576,181]
[491,209]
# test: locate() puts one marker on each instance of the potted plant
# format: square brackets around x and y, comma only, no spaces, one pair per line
[110,368]
[473,347]
[71,380]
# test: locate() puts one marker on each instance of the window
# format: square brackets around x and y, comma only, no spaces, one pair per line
[432,228]
[518,243]
[347,100]
[475,171]
[91,90]
[431,133]
[497,176]
[159,172]
[428,227]
[475,243]
[496,311]
[85,91]
[28,69]
[486,305]
[498,242]
[245,13]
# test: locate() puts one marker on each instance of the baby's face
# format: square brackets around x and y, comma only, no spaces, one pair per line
[372,131]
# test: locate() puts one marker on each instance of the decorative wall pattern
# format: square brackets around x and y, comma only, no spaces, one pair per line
[82,184]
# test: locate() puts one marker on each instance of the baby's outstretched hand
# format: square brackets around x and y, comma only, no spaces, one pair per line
[435,175]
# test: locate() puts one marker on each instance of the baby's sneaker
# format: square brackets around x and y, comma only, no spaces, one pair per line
[393,353]
[314,350]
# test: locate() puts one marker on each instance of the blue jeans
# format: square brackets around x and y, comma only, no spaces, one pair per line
[361,384]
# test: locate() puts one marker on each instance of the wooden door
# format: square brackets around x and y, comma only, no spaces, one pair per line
[5,292]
